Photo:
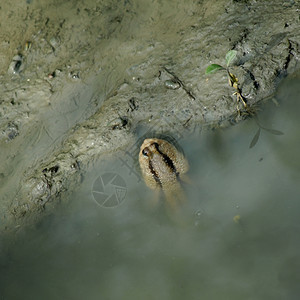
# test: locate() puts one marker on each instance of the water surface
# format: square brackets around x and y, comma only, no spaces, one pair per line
[237,237]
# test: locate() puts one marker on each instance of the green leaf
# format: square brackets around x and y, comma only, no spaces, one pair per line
[273,131]
[230,56]
[255,139]
[213,68]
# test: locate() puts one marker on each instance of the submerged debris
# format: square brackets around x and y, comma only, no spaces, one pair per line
[16,65]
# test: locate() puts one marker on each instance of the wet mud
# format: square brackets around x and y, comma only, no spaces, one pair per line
[79,79]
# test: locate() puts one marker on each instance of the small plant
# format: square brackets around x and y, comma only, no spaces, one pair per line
[233,82]
[232,79]
[257,134]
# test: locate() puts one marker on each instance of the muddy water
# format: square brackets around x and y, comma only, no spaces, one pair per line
[236,237]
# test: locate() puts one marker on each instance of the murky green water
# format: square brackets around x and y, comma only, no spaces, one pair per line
[237,237]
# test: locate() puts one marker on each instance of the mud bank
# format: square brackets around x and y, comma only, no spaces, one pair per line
[78,80]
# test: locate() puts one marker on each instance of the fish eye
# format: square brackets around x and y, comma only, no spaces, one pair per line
[145,152]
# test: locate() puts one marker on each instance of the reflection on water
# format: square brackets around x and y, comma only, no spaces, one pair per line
[237,237]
